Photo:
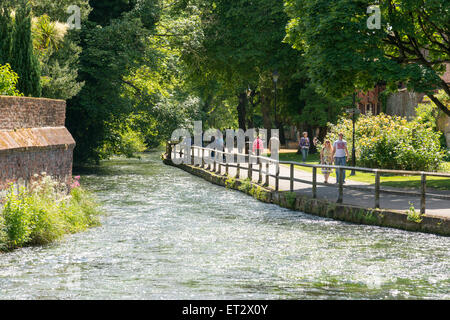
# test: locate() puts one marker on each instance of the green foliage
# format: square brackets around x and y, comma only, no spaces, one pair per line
[22,58]
[45,213]
[126,141]
[17,217]
[57,10]
[230,183]
[6,29]
[413,215]
[58,55]
[290,197]
[8,81]
[426,114]
[391,142]
[343,54]
[430,115]
[261,194]
[112,53]
[447,155]
[246,186]
[370,218]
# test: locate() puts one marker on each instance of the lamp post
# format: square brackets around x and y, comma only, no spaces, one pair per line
[275,76]
[353,111]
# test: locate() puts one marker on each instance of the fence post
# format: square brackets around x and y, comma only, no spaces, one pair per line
[169,150]
[203,158]
[238,169]
[260,171]
[341,185]
[292,177]
[214,161]
[423,191]
[314,186]
[208,167]
[192,156]
[220,162]
[267,173]
[377,189]
[226,165]
[277,177]
[250,168]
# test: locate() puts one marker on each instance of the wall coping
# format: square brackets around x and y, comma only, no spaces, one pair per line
[34,138]
[31,98]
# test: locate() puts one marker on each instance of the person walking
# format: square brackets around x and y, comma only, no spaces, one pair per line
[326,158]
[258,146]
[304,146]
[220,144]
[340,155]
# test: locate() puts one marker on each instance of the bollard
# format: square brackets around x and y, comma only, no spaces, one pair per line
[260,171]
[238,170]
[314,185]
[292,177]
[341,186]
[203,158]
[377,189]
[423,179]
[226,167]
[277,177]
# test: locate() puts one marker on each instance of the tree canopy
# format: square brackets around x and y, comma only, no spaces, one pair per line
[138,69]
[411,46]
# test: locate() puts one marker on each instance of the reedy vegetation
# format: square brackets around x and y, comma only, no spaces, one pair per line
[45,212]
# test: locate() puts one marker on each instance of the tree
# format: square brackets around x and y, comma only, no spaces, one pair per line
[8,81]
[6,29]
[22,57]
[343,54]
[114,46]
[58,54]
[239,44]
[57,10]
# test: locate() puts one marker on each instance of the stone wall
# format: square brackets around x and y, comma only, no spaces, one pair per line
[403,103]
[33,139]
[443,124]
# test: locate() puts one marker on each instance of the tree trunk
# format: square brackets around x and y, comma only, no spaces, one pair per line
[322,134]
[241,109]
[266,111]
[439,104]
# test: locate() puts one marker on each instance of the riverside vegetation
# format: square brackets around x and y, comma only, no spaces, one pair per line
[44,212]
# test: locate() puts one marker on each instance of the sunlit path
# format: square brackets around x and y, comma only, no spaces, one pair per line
[362,195]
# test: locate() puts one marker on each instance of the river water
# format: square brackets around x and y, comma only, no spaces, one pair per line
[170,235]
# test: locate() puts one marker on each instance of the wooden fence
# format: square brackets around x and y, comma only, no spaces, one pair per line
[260,165]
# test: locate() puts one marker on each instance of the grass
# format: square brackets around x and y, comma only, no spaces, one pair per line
[413,182]
[44,213]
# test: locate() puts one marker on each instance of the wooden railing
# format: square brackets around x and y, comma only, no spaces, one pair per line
[217,162]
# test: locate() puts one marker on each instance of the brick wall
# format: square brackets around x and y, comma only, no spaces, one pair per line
[21,112]
[33,139]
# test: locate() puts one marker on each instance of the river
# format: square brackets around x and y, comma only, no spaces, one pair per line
[169,235]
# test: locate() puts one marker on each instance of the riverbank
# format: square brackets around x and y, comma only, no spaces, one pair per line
[323,208]
[44,212]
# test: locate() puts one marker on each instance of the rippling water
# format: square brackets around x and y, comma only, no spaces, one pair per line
[169,235]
